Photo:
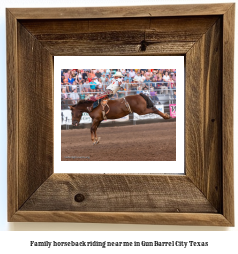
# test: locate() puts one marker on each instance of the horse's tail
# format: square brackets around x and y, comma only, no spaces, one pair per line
[149,103]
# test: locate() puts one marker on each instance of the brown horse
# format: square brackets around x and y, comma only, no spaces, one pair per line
[118,109]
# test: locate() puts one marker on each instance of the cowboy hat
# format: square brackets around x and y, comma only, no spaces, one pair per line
[118,74]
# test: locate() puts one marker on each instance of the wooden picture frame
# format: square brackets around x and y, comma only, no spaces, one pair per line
[204,34]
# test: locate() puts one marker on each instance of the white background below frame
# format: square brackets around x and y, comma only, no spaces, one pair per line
[118,62]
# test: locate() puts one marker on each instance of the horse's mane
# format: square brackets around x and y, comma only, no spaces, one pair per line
[84,102]
[81,102]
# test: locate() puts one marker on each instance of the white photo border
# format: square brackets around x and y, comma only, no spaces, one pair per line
[119,62]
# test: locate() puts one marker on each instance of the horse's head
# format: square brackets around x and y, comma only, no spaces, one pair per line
[76,115]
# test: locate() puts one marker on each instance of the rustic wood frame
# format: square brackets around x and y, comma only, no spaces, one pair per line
[203,33]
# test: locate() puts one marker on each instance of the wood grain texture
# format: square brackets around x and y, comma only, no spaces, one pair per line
[192,219]
[36,114]
[12,110]
[228,113]
[74,48]
[207,187]
[204,115]
[119,36]
[114,193]
[120,11]
[177,25]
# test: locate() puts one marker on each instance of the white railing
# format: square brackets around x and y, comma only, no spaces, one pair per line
[159,95]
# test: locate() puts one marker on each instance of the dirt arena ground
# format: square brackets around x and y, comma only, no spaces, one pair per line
[144,142]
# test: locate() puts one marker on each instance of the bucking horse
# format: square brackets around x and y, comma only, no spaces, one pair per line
[114,109]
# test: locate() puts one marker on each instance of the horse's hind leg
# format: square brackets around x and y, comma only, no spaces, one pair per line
[154,110]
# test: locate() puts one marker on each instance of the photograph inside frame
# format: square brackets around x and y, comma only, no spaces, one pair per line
[118,114]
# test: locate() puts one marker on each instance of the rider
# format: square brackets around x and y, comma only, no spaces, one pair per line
[110,90]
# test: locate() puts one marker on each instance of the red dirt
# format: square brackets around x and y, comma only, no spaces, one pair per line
[144,142]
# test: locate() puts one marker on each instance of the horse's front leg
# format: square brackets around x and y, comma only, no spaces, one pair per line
[92,134]
[94,127]
[97,139]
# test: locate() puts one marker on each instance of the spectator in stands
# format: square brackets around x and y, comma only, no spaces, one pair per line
[82,96]
[74,86]
[171,83]
[85,75]
[73,73]
[159,82]
[164,87]
[133,87]
[174,80]
[145,91]
[98,74]
[143,77]
[153,95]
[121,93]
[65,82]
[106,83]
[66,74]
[93,85]
[127,85]
[139,89]
[132,74]
[109,78]
[127,77]
[91,75]
[80,86]
[103,78]
[99,86]
[148,72]
[74,96]
[147,82]
[154,75]
[64,94]
[161,71]
[70,81]
[64,99]
[68,88]
[123,71]
[153,84]
[138,78]
[80,72]
[86,86]
[78,77]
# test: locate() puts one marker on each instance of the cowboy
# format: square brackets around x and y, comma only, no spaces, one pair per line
[110,90]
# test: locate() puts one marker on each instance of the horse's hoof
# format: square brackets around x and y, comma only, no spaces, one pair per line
[98,140]
[167,116]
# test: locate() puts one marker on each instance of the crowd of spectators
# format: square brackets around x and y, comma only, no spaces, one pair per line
[80,84]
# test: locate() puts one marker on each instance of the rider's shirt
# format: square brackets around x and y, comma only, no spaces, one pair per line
[114,86]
